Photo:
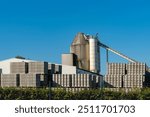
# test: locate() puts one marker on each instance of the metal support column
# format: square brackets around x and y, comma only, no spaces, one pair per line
[107,59]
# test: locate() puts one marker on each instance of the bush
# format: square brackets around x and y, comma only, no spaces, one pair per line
[60,94]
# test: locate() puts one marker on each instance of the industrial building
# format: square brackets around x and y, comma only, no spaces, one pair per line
[88,52]
[80,69]
[30,73]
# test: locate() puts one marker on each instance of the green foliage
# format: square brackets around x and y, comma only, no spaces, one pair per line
[61,94]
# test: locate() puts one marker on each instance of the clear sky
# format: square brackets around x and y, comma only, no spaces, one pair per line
[44,29]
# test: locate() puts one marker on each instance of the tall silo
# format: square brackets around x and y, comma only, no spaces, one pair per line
[94,52]
[80,47]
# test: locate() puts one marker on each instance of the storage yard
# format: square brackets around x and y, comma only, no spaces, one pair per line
[80,69]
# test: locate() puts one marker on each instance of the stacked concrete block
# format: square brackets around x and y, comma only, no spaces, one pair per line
[19,67]
[114,77]
[116,68]
[136,75]
[61,80]
[82,80]
[67,81]
[73,80]
[76,80]
[114,80]
[38,67]
[30,80]
[136,69]
[9,80]
[134,81]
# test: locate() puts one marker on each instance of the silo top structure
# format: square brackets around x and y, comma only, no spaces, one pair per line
[80,47]
[87,50]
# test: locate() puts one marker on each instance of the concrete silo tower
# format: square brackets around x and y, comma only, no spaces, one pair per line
[80,47]
[88,52]
[94,52]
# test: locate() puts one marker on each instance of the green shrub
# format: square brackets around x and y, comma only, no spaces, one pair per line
[61,94]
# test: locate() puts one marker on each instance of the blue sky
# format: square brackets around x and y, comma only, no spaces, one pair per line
[44,29]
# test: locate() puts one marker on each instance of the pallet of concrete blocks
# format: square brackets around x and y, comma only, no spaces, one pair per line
[73,77]
[134,81]
[116,68]
[38,67]
[66,80]
[79,77]
[30,80]
[74,80]
[137,68]
[61,80]
[9,80]
[87,80]
[81,81]
[18,67]
[113,80]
